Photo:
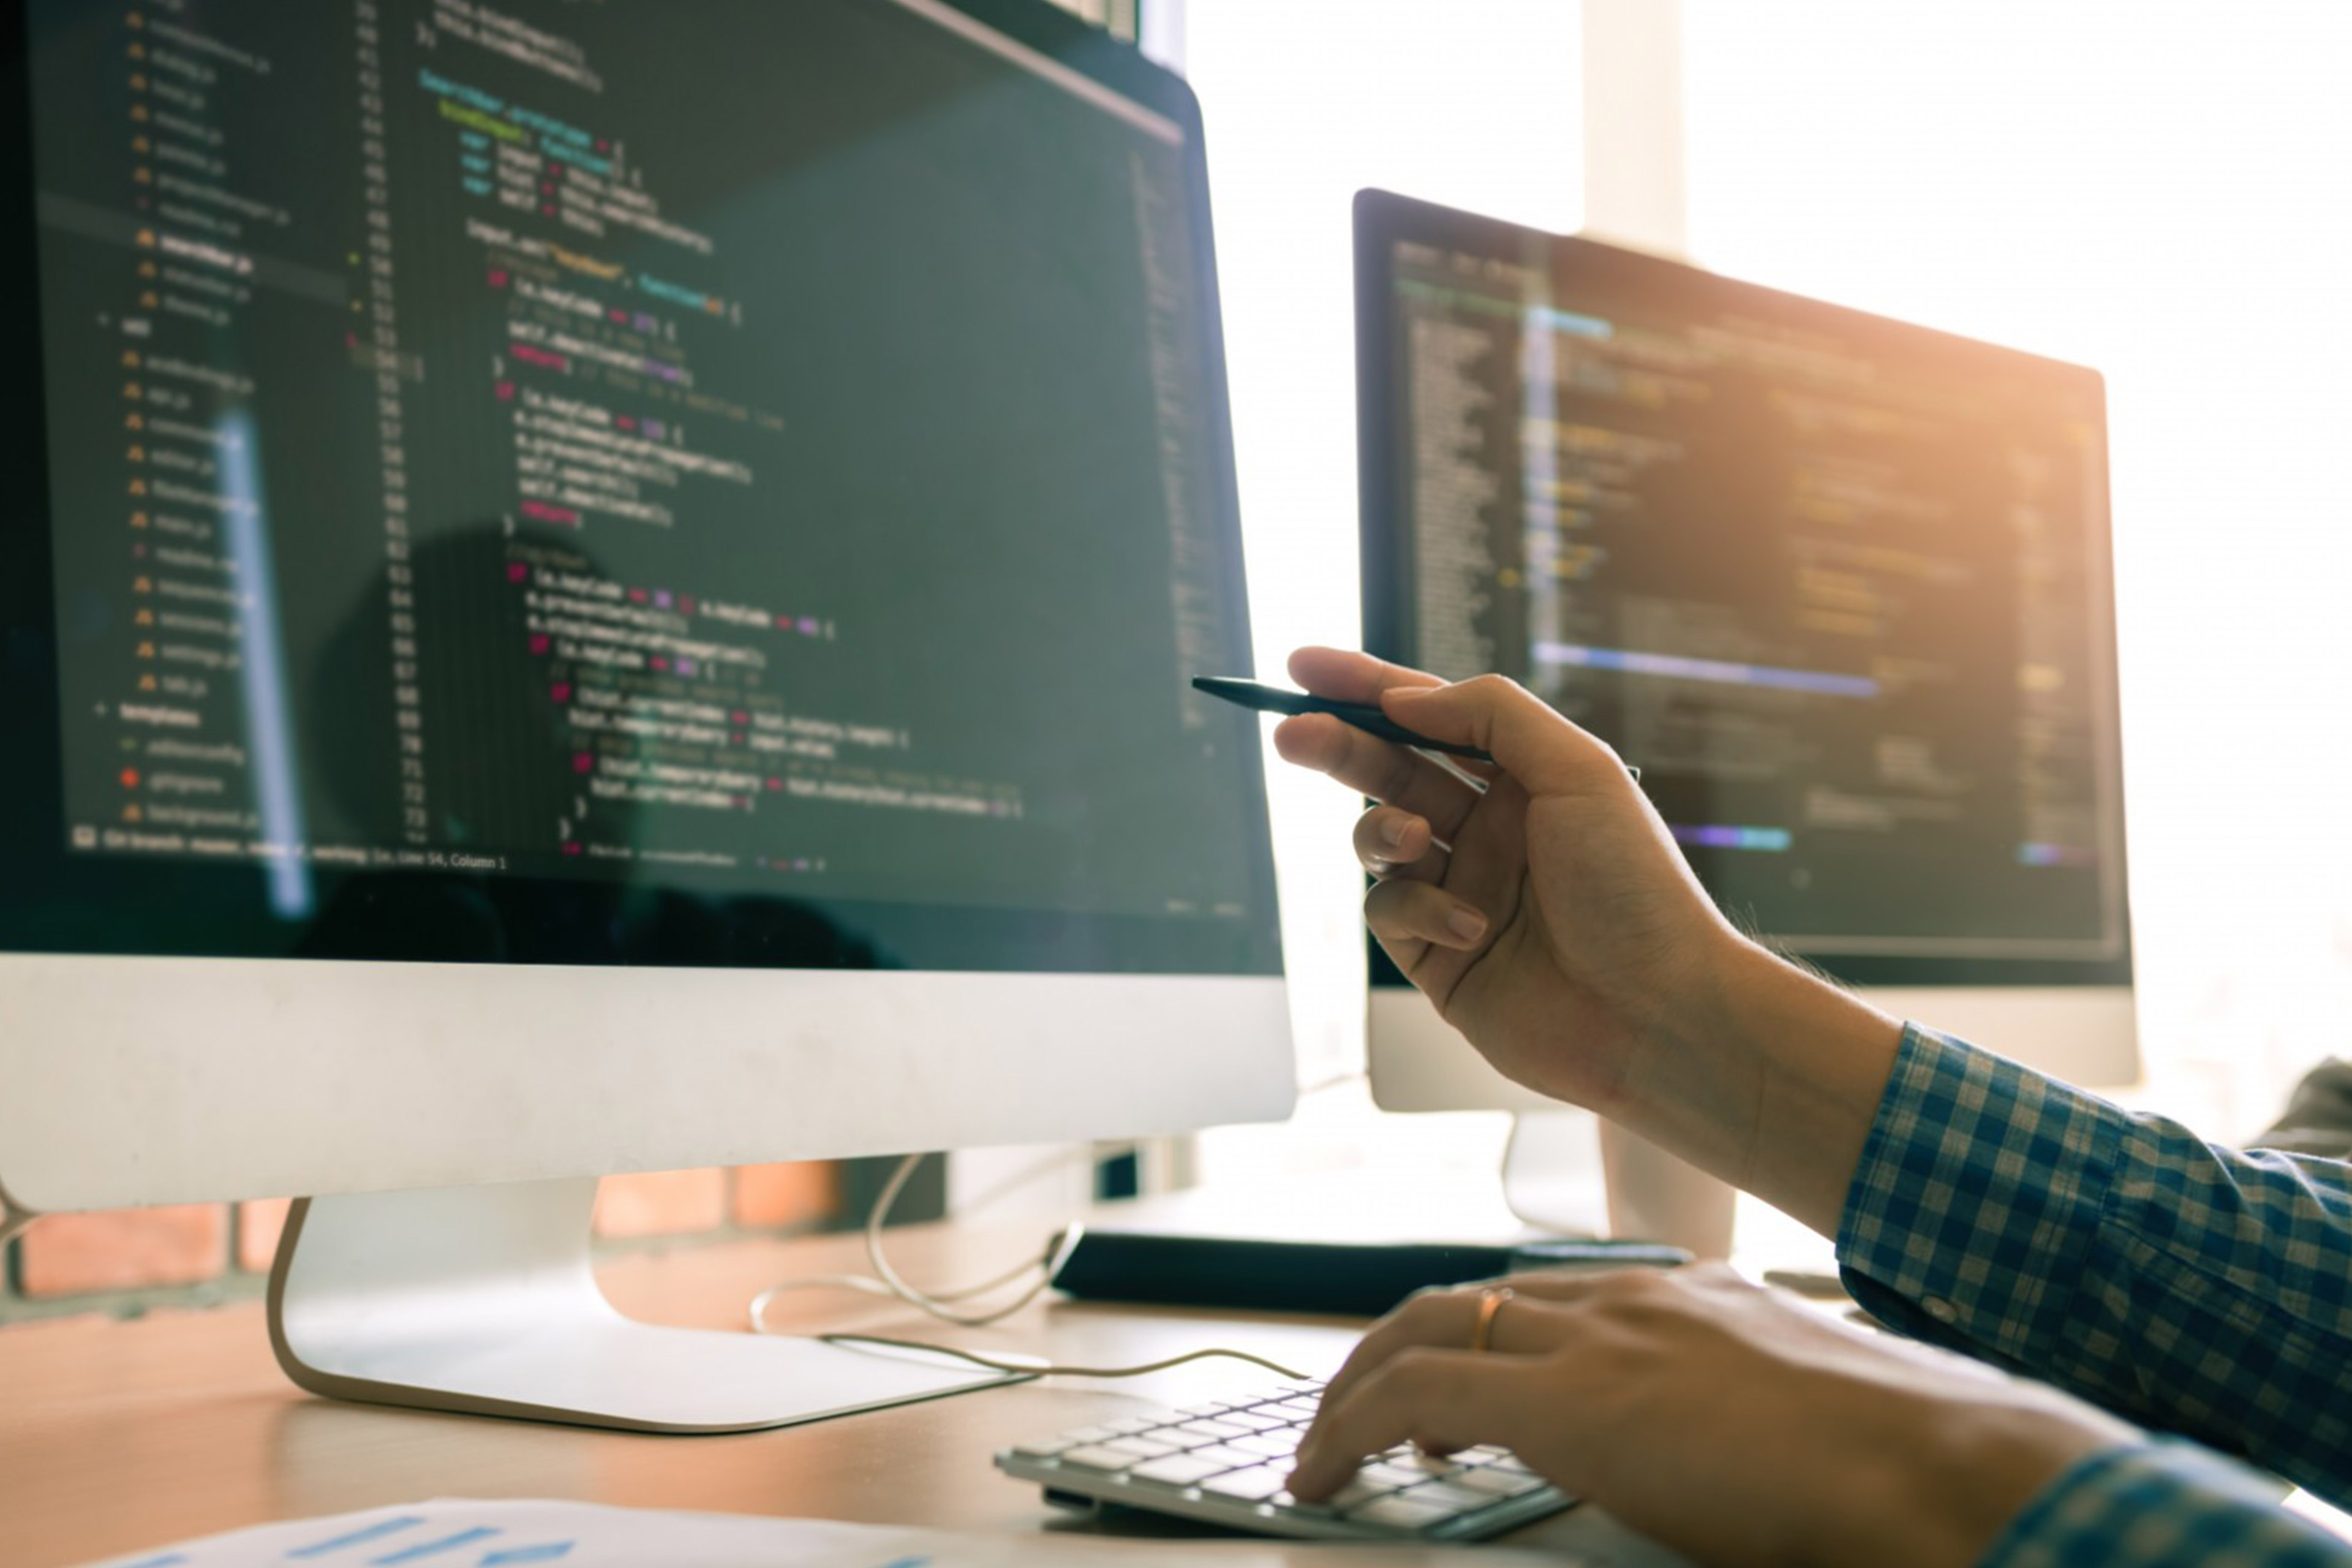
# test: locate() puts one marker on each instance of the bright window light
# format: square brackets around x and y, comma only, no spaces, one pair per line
[1474,103]
[2158,191]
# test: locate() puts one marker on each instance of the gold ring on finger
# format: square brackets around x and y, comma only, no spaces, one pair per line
[1490,1304]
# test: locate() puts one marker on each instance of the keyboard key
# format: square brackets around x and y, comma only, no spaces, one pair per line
[1496,1481]
[1252,1420]
[1043,1450]
[1356,1493]
[1298,1409]
[1232,1459]
[1399,1509]
[1176,1469]
[1276,1445]
[1291,1505]
[1452,1495]
[1097,1458]
[1215,1431]
[1180,1435]
[1249,1486]
[1201,1411]
[1131,1426]
[1395,1476]
[1141,1448]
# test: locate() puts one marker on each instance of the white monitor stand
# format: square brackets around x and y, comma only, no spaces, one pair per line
[498,1314]
[1552,1173]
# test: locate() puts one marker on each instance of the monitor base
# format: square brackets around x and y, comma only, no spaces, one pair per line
[481,1300]
[1575,1173]
[1551,1172]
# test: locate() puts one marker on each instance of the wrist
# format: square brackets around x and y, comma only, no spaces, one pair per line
[1944,1501]
[1763,1073]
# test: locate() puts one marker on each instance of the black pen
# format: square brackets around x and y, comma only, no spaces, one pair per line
[1363,715]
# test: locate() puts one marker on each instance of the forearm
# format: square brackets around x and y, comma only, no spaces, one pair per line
[1943,1480]
[1765,1076]
[2197,1289]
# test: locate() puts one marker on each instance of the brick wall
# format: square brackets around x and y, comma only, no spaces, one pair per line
[128,1260]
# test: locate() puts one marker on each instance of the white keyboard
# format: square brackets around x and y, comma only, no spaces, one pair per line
[1227,1463]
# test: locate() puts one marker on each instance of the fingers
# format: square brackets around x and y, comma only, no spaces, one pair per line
[1430,1318]
[1442,1319]
[1411,910]
[1413,1378]
[1378,768]
[1352,676]
[1543,750]
[1443,1400]
[1394,843]
[1566,1286]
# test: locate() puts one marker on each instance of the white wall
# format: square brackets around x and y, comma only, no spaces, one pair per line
[1473,102]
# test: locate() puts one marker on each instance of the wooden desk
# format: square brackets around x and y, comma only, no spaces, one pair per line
[116,1437]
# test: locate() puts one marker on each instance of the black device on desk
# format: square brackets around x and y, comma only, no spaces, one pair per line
[1339,1278]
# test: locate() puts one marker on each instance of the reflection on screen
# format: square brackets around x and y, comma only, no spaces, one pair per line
[1837,586]
[751,448]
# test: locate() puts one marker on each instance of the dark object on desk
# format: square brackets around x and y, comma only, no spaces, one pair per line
[2318,1115]
[1352,1279]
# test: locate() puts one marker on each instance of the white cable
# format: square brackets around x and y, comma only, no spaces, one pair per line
[1042,1369]
[886,1281]
[1337,1081]
[14,1221]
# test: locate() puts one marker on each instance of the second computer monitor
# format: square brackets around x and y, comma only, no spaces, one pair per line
[1838,585]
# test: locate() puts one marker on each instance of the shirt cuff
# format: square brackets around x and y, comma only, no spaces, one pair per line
[2162,1505]
[1977,1186]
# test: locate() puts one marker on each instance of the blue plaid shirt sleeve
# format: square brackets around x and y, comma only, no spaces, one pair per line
[2197,1289]
[2168,1505]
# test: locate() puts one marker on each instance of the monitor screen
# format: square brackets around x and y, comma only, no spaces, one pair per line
[727,484]
[1838,586]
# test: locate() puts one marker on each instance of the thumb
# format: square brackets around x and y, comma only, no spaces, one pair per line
[1547,753]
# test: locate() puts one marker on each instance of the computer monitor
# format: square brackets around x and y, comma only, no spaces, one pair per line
[602,588]
[1838,585]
